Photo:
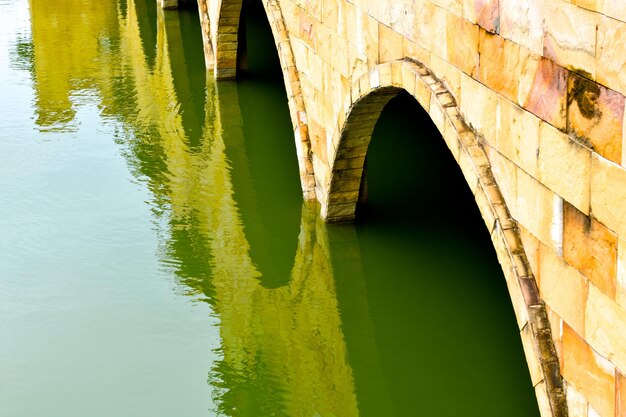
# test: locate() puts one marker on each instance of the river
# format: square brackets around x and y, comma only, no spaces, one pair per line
[157,259]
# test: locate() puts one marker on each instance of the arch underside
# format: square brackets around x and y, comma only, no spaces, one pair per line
[221,54]
[374,90]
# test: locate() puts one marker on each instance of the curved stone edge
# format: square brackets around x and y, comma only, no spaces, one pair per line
[468,150]
[295,98]
[220,52]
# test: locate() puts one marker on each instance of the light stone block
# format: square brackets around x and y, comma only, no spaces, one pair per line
[608,193]
[611,54]
[499,58]
[481,117]
[564,166]
[589,373]
[570,36]
[522,22]
[534,209]
[620,295]
[517,135]
[390,44]
[591,248]
[576,402]
[604,327]
[485,13]
[462,43]
[563,288]
[546,95]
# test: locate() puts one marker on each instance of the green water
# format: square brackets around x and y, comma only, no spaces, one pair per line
[157,259]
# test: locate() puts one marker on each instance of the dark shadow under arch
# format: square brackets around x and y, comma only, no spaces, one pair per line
[419,203]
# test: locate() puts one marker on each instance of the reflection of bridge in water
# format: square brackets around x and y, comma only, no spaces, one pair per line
[285,347]
[285,343]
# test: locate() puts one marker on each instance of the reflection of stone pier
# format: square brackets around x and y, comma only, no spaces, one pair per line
[282,349]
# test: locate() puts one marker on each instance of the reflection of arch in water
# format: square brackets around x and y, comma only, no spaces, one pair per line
[68,53]
[221,32]
[288,339]
[373,91]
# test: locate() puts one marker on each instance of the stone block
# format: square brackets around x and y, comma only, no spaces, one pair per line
[608,193]
[591,248]
[563,288]
[448,74]
[613,8]
[556,328]
[485,13]
[422,92]
[414,51]
[499,58]
[331,14]
[528,342]
[611,54]
[314,8]
[522,23]
[620,295]
[517,135]
[604,327]
[430,33]
[576,403]
[453,6]
[620,394]
[564,166]
[389,44]
[570,36]
[478,106]
[537,209]
[589,373]
[547,93]
[595,114]
[531,248]
[542,400]
[462,43]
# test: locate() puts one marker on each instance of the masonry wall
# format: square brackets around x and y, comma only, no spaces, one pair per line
[542,85]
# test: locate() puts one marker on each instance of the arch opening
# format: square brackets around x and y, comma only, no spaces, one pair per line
[268,152]
[341,188]
[422,229]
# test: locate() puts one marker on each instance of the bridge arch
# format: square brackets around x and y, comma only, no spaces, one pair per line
[221,27]
[370,94]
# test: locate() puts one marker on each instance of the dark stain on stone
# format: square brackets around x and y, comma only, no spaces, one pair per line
[586,94]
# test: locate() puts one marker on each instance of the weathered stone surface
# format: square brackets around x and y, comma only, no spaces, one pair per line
[537,208]
[517,135]
[570,36]
[534,365]
[522,22]
[561,283]
[588,372]
[576,402]
[480,117]
[498,59]
[608,194]
[547,95]
[595,114]
[564,166]
[604,327]
[390,44]
[462,43]
[620,394]
[591,248]
[485,13]
[620,295]
[611,55]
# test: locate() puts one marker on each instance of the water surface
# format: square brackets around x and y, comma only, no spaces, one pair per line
[157,259]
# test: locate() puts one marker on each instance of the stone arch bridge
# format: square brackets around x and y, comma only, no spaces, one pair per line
[529,97]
